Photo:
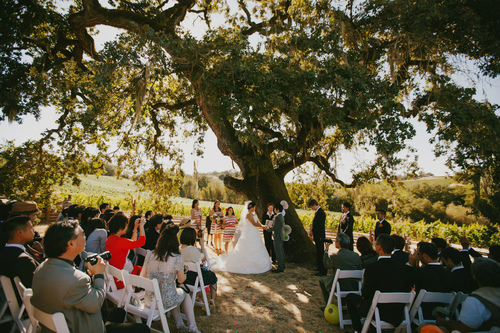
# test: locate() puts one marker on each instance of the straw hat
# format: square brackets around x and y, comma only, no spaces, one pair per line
[24,208]
[185,223]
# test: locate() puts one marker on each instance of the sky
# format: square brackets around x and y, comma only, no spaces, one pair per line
[213,160]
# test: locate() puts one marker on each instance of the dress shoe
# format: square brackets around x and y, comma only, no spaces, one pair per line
[277,271]
[319,274]
[317,269]
[322,308]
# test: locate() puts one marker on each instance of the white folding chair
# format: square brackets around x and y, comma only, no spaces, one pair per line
[392,298]
[208,262]
[114,294]
[453,310]
[139,252]
[137,305]
[339,275]
[55,322]
[416,314]
[5,317]
[16,310]
[199,286]
[25,292]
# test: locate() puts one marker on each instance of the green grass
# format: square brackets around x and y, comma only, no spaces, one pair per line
[103,185]
[431,181]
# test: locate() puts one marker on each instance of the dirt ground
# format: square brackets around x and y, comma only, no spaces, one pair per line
[285,302]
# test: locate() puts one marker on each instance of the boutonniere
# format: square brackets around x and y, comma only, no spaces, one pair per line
[380,224]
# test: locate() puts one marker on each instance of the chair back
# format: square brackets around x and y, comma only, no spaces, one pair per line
[24,292]
[337,291]
[114,294]
[55,322]
[430,297]
[136,305]
[453,309]
[16,310]
[388,298]
[199,285]
[139,252]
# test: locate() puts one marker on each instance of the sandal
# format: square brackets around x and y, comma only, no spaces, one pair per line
[212,303]
[193,329]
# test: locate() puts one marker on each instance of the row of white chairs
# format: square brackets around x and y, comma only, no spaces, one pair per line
[134,303]
[413,305]
[55,322]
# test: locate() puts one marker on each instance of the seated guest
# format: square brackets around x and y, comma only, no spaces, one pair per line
[166,265]
[191,253]
[494,253]
[14,259]
[494,250]
[103,208]
[385,275]
[96,236]
[461,279]
[89,213]
[481,310]
[368,255]
[130,227]
[153,233]
[399,254]
[29,209]
[59,287]
[440,244]
[432,276]
[119,247]
[344,259]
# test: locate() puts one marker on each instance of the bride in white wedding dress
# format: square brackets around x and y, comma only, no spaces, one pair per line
[249,255]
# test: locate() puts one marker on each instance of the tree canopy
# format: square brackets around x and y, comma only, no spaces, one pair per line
[280,83]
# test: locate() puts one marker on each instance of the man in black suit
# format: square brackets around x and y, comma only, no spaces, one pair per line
[317,231]
[399,254]
[385,275]
[14,259]
[382,226]
[347,223]
[268,235]
[461,278]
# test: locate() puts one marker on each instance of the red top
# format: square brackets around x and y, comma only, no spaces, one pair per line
[119,247]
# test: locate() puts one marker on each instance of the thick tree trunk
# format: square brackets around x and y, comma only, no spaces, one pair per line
[268,187]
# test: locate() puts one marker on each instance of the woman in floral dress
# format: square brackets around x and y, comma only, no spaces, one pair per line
[165,264]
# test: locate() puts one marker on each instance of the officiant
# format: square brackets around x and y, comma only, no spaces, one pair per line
[268,235]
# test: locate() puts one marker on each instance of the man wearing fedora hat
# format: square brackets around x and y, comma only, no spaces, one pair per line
[29,209]
[25,208]
[14,259]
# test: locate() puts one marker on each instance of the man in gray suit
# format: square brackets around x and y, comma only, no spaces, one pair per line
[59,287]
[277,230]
[344,259]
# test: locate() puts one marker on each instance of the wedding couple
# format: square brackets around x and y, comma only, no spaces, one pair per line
[250,255]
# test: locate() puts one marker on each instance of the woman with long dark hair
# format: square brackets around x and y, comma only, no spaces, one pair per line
[166,265]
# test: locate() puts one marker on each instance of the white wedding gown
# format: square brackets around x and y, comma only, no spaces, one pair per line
[249,255]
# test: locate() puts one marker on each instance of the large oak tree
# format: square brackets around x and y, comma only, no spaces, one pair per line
[280,83]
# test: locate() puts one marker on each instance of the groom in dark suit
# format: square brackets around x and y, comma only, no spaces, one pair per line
[347,223]
[317,231]
[277,230]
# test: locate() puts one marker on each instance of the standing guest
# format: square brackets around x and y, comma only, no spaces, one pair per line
[368,254]
[461,279]
[14,259]
[399,254]
[166,265]
[195,215]
[153,233]
[268,235]
[382,226]
[59,287]
[346,224]
[481,310]
[96,236]
[191,253]
[103,208]
[385,275]
[216,216]
[229,225]
[119,247]
[344,259]
[317,231]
